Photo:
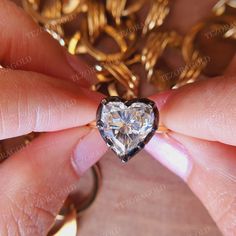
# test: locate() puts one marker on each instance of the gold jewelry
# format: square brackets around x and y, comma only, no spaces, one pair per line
[127,125]
[96,19]
[196,62]
[118,8]
[80,43]
[71,208]
[54,14]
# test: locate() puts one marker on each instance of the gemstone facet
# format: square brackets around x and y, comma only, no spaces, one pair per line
[127,126]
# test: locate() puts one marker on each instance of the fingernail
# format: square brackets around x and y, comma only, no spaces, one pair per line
[171,154]
[161,98]
[92,95]
[84,74]
[88,151]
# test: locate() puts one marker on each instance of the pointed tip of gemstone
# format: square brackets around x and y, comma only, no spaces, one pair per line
[124,160]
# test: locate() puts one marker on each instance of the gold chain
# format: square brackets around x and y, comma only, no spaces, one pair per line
[118,20]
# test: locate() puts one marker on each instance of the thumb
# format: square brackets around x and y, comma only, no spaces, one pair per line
[209,170]
[36,181]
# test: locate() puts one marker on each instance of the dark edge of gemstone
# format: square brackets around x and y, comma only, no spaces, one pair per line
[99,122]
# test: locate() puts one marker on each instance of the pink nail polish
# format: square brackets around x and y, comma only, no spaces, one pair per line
[88,151]
[171,154]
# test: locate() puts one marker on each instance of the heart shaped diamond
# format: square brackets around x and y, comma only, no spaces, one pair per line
[126,126]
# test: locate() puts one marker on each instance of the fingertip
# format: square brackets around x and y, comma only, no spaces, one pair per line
[161,98]
[88,151]
[171,154]
[210,174]
[83,73]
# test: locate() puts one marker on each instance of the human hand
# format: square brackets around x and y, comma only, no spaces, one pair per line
[201,147]
[37,179]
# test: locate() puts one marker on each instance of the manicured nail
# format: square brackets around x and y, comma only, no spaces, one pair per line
[88,151]
[84,74]
[171,154]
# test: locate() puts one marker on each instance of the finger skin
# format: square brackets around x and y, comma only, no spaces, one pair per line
[209,170]
[36,181]
[26,46]
[205,110]
[35,102]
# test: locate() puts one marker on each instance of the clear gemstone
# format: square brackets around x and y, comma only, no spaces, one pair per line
[126,126]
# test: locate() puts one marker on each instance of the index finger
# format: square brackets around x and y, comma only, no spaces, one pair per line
[205,110]
[26,46]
